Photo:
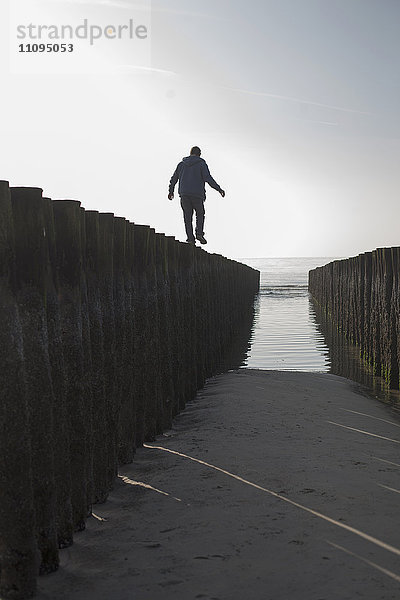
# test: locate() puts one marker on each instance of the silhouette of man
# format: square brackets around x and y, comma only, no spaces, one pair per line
[192,173]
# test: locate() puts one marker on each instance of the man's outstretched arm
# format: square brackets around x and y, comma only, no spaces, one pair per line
[210,180]
[173,182]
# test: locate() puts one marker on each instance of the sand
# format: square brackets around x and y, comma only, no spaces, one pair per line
[271,485]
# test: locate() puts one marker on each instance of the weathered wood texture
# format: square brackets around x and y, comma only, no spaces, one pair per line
[107,330]
[361,296]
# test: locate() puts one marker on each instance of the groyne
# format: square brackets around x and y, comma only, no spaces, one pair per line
[107,329]
[361,297]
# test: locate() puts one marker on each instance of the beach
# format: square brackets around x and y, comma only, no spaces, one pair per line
[270,485]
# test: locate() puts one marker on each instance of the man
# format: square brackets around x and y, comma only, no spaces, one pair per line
[192,173]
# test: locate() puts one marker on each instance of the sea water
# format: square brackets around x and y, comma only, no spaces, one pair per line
[285,334]
[289,334]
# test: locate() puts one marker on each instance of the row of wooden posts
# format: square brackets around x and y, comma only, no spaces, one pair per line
[361,296]
[107,329]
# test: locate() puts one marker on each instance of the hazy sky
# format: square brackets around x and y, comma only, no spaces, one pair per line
[295,104]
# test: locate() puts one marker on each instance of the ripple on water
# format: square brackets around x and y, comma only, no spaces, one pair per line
[285,333]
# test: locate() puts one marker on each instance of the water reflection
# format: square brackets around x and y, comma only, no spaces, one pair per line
[237,351]
[285,336]
[344,360]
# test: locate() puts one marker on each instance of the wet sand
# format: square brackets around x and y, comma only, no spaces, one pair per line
[270,486]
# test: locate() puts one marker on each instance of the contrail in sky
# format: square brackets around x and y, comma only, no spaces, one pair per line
[298,100]
[135,6]
[138,68]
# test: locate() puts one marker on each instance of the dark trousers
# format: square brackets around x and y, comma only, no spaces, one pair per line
[189,205]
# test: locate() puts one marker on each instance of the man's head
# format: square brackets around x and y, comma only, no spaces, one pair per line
[195,151]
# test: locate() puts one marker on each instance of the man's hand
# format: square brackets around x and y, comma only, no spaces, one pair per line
[171,196]
[222,192]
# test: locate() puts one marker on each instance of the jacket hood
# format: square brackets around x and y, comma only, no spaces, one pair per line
[189,161]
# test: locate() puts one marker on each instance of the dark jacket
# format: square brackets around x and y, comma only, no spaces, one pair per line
[192,173]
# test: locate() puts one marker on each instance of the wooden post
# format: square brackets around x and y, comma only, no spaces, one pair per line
[61,450]
[19,556]
[32,260]
[69,262]
[97,380]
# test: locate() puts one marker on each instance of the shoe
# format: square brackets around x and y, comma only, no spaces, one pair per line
[193,241]
[201,239]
